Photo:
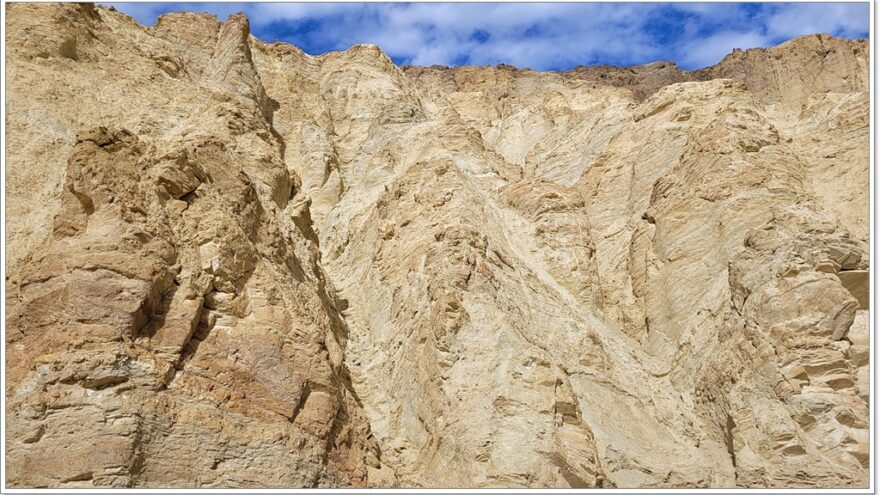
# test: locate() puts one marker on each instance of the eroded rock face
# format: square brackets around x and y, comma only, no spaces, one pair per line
[231,263]
[174,326]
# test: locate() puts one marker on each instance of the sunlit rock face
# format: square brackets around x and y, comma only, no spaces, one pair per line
[233,264]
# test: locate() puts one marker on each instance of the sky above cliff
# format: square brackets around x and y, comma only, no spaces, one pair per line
[542,36]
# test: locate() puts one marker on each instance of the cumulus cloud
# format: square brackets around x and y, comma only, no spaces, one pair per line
[545,36]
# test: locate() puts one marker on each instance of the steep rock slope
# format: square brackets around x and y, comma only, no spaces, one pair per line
[231,263]
[173,327]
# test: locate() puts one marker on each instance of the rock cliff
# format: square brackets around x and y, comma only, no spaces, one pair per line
[233,264]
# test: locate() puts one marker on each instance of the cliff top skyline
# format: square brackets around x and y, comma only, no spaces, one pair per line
[541,36]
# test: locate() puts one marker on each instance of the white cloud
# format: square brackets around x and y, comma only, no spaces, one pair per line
[538,35]
[847,19]
[710,50]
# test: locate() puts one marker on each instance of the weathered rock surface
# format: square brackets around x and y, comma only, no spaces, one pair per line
[231,263]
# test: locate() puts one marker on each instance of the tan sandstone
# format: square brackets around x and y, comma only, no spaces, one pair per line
[233,264]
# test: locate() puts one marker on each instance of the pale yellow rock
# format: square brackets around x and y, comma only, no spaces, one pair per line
[233,264]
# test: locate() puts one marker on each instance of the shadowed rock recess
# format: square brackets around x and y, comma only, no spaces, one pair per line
[232,264]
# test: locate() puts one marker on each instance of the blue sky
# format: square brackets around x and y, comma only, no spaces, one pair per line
[543,36]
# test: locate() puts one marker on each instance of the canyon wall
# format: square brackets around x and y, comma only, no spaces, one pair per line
[233,264]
